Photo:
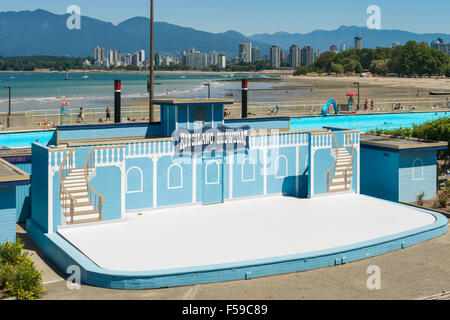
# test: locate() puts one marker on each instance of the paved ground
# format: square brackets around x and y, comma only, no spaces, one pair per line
[418,272]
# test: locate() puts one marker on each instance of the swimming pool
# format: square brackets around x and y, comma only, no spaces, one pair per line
[24,139]
[366,123]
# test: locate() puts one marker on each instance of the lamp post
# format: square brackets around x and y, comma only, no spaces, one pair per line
[152,57]
[209,89]
[9,106]
[357,83]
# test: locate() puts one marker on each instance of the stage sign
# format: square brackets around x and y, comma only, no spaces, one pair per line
[209,139]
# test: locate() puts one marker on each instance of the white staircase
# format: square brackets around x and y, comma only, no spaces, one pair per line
[342,178]
[75,186]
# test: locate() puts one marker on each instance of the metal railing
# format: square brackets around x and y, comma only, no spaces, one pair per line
[65,196]
[330,172]
[350,166]
[95,197]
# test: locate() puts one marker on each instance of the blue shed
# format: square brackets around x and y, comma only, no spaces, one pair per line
[399,169]
[10,178]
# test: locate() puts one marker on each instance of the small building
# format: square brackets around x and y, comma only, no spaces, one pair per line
[399,169]
[10,178]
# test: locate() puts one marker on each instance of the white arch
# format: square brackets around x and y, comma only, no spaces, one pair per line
[174,166]
[141,188]
[253,163]
[277,167]
[417,169]
[207,181]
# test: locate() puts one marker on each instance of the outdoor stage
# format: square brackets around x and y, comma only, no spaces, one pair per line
[267,233]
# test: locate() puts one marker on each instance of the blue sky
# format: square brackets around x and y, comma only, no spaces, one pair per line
[260,16]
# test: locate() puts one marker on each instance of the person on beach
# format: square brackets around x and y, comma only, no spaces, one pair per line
[366,105]
[108,114]
[81,115]
[372,105]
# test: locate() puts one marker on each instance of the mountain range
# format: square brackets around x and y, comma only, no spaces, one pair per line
[41,32]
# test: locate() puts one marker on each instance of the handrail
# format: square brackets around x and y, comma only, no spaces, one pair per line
[351,162]
[98,199]
[327,174]
[64,194]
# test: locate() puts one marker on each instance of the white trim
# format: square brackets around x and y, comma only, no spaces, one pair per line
[231,161]
[207,182]
[180,186]
[155,182]
[265,170]
[277,163]
[414,178]
[176,117]
[253,163]
[297,170]
[141,189]
[194,179]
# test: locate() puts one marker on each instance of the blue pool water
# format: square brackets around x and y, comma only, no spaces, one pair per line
[363,123]
[24,139]
[366,123]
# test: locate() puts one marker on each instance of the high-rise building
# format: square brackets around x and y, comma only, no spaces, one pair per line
[275,57]
[245,52]
[183,57]
[333,48]
[111,57]
[222,61]
[307,55]
[316,55]
[135,61]
[214,59]
[343,47]
[158,59]
[358,42]
[294,56]
[283,57]
[439,44]
[99,54]
[256,54]
[141,56]
[197,60]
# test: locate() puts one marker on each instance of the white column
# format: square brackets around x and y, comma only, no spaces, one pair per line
[194,179]
[297,169]
[155,182]
[231,160]
[265,170]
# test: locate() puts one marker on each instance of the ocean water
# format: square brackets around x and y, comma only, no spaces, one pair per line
[32,91]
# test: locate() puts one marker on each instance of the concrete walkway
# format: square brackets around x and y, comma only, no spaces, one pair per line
[418,272]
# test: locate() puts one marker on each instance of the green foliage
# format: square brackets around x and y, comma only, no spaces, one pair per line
[337,68]
[301,71]
[420,198]
[411,59]
[26,284]
[437,130]
[40,62]
[18,273]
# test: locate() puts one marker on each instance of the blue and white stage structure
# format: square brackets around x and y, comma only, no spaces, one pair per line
[120,200]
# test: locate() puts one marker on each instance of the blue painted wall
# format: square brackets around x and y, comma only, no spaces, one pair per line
[417,173]
[7,214]
[39,186]
[124,130]
[379,174]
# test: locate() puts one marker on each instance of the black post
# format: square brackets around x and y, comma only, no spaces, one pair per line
[117,101]
[359,96]
[244,98]
[9,107]
[152,57]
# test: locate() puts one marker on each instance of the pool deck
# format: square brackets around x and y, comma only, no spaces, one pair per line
[236,240]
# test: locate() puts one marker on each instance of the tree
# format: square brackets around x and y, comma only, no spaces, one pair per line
[301,71]
[337,68]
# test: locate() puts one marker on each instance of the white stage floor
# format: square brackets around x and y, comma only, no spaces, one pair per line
[239,231]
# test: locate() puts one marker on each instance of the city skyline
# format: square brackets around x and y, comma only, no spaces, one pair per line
[302,17]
